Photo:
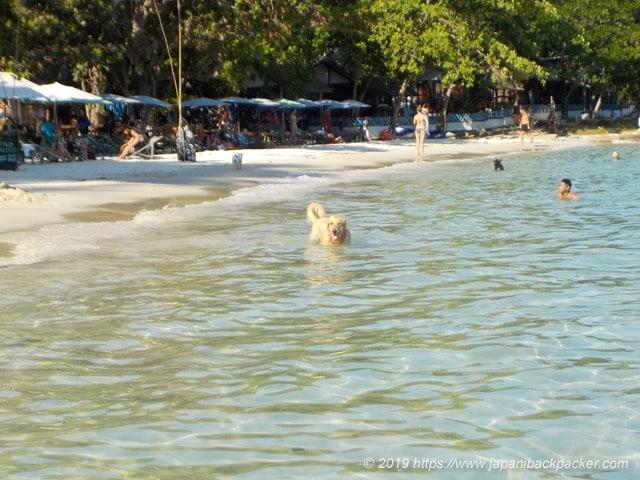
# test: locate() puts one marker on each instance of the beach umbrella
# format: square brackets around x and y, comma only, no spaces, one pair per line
[325,115]
[308,103]
[264,103]
[120,105]
[329,104]
[354,104]
[14,88]
[151,101]
[59,93]
[202,102]
[286,103]
[237,101]
[113,98]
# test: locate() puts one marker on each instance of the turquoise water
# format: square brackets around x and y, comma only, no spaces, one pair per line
[475,318]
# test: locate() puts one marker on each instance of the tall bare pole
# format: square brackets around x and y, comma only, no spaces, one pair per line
[184,145]
[179,65]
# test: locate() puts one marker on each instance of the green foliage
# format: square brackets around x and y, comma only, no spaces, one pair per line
[119,45]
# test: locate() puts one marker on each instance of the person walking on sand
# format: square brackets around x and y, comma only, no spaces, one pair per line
[421,124]
[525,126]
[564,190]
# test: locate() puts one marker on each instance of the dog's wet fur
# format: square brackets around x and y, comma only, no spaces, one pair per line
[325,230]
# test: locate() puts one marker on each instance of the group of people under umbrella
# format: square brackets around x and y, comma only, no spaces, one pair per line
[286,111]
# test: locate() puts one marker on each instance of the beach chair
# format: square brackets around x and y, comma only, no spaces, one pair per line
[148,150]
[45,154]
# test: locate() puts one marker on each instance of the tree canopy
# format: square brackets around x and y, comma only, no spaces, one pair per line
[121,45]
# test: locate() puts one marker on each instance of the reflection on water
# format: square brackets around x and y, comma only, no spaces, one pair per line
[474,317]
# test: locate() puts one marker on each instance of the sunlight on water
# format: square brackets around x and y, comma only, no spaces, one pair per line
[475,317]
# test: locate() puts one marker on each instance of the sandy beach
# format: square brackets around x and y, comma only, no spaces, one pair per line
[110,190]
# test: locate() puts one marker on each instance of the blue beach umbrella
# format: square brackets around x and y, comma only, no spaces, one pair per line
[329,104]
[113,98]
[291,104]
[202,102]
[237,101]
[151,101]
[354,104]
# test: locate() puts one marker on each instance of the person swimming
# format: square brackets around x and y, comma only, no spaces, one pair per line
[564,190]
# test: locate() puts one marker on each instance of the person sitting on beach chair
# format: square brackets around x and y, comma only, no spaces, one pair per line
[135,141]
[60,149]
[148,149]
[48,133]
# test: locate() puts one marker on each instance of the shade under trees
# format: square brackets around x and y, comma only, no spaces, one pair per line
[118,45]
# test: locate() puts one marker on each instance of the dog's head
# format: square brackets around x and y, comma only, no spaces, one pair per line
[497,164]
[337,226]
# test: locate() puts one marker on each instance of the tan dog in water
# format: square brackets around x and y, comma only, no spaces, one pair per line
[327,230]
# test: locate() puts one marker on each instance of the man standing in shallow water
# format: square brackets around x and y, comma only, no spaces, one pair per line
[564,190]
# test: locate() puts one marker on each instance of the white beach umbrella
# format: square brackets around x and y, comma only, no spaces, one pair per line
[59,93]
[13,87]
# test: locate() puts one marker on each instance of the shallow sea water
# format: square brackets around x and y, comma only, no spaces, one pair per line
[475,318]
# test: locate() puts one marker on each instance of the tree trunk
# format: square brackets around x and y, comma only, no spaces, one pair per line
[445,106]
[596,108]
[397,102]
[565,100]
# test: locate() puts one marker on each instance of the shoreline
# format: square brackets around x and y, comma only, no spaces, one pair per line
[108,190]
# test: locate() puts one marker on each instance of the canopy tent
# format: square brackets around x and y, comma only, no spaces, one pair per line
[151,101]
[202,102]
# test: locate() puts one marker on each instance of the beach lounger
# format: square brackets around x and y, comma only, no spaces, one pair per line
[148,150]
[45,154]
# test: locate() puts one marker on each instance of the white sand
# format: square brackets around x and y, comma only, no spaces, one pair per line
[41,194]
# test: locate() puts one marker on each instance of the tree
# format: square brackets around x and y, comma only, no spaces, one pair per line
[464,40]
[120,46]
